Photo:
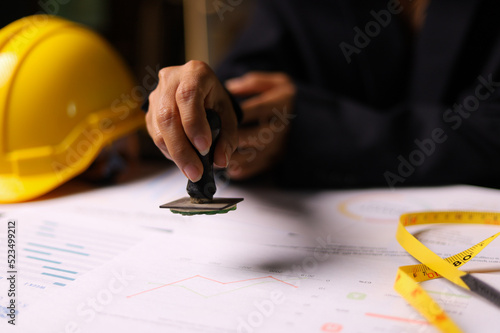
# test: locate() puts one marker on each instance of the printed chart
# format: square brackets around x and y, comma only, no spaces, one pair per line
[112,261]
[54,253]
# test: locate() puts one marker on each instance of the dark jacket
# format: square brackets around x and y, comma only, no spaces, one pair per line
[376,107]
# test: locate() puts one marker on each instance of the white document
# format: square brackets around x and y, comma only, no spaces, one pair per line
[282,262]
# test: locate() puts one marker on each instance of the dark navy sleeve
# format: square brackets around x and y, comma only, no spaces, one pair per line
[355,123]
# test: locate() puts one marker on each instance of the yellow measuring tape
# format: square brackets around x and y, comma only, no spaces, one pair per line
[432,266]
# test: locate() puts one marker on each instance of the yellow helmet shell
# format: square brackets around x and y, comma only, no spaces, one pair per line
[64,94]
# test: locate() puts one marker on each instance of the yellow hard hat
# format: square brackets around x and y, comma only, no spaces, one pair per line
[64,95]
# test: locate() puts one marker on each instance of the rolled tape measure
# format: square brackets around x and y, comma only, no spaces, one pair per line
[432,266]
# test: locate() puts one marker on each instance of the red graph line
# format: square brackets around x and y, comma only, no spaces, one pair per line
[413,321]
[209,279]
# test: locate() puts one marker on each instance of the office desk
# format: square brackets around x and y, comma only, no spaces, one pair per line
[109,260]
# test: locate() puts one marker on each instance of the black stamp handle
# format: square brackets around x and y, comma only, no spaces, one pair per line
[203,190]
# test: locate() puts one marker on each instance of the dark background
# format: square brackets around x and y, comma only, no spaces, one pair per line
[145,32]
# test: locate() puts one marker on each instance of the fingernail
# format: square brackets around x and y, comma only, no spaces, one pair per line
[202,145]
[192,173]
[231,83]
[219,165]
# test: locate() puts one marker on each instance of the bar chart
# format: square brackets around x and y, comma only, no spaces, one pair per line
[54,253]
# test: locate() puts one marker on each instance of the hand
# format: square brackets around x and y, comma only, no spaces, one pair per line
[269,111]
[116,162]
[177,118]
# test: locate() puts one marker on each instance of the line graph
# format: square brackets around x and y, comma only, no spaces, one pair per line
[212,280]
[382,316]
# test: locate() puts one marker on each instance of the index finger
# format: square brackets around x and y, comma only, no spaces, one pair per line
[253,83]
[190,99]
